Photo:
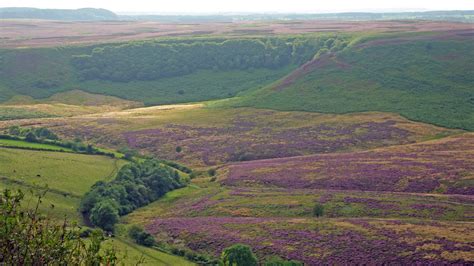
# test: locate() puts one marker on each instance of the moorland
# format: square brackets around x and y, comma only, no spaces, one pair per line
[317,141]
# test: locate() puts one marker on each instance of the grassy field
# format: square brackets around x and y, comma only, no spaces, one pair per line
[67,176]
[427,80]
[66,172]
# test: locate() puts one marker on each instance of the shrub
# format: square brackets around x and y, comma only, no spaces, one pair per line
[141,237]
[239,255]
[211,172]
[318,210]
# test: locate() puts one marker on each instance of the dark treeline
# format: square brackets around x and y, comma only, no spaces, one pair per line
[153,60]
[136,185]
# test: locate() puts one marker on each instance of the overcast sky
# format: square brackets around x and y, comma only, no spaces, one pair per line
[257,6]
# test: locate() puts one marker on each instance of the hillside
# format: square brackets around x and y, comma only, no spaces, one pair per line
[395,204]
[179,70]
[83,14]
[427,78]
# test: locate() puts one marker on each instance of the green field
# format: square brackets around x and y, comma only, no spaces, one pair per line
[67,176]
[66,172]
[424,80]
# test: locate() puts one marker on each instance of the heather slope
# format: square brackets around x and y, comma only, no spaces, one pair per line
[203,137]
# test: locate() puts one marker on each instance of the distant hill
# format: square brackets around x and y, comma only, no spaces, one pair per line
[455,15]
[83,14]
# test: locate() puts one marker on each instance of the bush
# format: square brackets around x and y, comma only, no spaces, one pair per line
[141,237]
[239,255]
[211,172]
[318,210]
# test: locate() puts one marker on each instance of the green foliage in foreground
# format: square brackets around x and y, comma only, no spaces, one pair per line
[136,185]
[424,80]
[239,255]
[28,238]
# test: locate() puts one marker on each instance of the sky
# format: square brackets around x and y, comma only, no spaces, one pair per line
[253,6]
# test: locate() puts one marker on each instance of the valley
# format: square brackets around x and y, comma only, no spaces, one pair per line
[322,142]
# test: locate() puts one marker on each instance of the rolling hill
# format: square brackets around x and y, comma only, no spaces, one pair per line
[83,14]
[424,78]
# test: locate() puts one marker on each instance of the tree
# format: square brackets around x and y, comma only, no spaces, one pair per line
[318,210]
[239,255]
[30,137]
[104,215]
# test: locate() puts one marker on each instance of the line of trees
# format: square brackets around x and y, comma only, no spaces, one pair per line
[151,60]
[136,185]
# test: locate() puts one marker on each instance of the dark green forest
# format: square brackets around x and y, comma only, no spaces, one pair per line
[155,60]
